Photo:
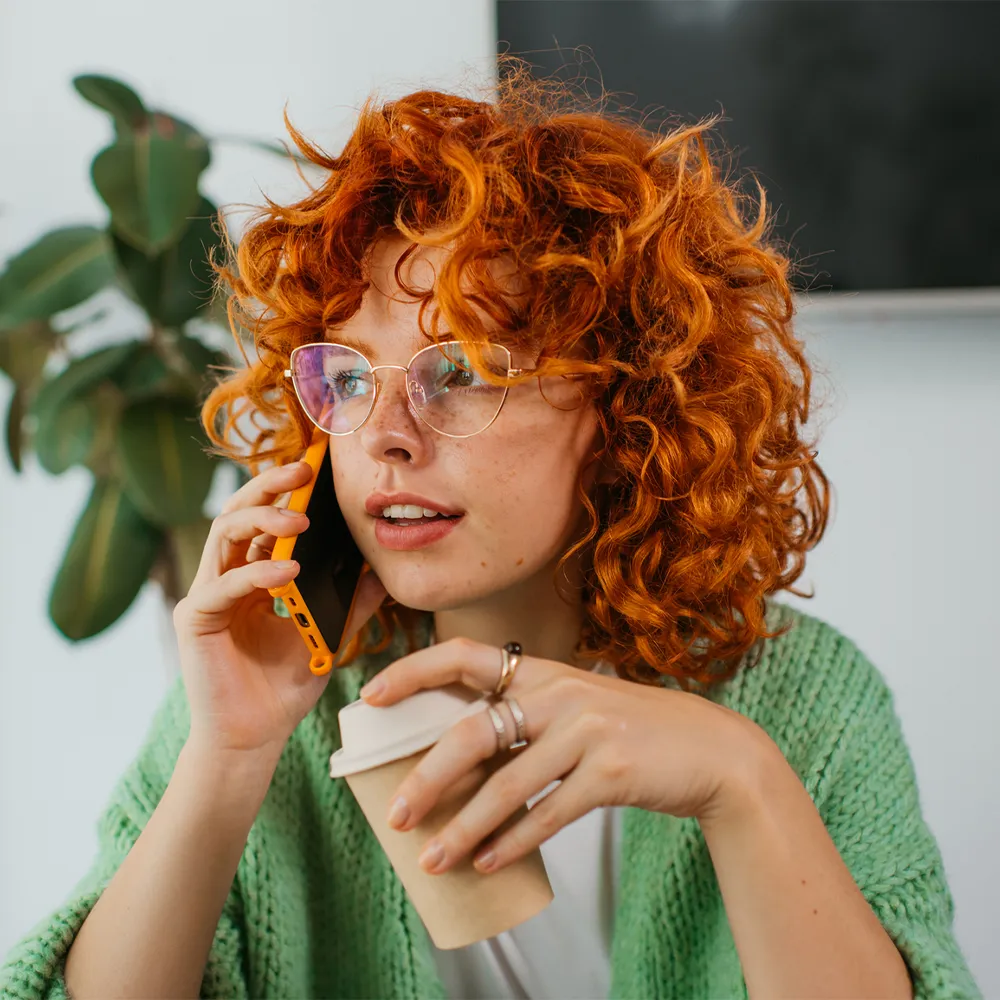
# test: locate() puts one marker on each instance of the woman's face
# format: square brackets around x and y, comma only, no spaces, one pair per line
[514,481]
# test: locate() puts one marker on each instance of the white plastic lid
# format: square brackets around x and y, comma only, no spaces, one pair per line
[373,735]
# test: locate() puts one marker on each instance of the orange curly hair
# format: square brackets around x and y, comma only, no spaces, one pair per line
[643,281]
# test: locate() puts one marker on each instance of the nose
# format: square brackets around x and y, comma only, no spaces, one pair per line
[396,396]
[383,382]
[393,432]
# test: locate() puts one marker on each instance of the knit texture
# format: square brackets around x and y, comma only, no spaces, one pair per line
[316,910]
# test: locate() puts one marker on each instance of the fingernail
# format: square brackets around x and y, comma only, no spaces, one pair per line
[373,689]
[433,856]
[290,513]
[485,861]
[399,812]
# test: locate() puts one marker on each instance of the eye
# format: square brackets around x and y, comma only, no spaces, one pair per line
[342,383]
[459,379]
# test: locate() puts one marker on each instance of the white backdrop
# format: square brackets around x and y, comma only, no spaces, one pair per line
[911,443]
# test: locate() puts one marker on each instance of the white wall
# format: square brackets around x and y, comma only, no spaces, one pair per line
[906,568]
[72,716]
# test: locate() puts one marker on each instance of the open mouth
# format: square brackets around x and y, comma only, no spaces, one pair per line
[405,522]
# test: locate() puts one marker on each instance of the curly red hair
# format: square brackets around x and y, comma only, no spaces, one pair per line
[642,279]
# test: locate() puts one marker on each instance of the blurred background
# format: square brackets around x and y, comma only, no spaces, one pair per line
[875,129]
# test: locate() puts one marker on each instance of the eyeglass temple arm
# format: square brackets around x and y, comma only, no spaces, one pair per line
[287,373]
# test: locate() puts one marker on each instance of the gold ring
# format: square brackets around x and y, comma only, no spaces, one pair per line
[511,656]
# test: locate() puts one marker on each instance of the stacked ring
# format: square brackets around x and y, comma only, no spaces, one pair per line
[511,656]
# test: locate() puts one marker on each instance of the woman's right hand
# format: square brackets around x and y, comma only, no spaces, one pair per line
[245,669]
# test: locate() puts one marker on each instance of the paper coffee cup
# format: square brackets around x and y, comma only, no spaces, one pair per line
[380,746]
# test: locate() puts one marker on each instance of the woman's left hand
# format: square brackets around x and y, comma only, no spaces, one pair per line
[609,741]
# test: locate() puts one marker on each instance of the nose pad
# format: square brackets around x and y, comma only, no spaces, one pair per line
[407,404]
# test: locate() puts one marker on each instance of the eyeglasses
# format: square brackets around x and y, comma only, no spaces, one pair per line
[337,389]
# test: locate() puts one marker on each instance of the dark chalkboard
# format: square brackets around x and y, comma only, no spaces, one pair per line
[874,125]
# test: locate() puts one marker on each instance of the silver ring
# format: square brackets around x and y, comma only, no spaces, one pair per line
[498,727]
[522,729]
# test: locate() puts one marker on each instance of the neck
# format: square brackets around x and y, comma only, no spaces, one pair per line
[532,613]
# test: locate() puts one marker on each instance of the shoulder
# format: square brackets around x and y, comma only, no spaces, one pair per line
[810,688]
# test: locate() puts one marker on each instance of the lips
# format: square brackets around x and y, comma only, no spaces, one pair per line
[417,536]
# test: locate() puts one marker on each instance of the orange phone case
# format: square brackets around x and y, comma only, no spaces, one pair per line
[322,659]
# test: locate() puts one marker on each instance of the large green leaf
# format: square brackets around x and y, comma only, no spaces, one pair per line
[15,416]
[146,374]
[113,96]
[166,471]
[66,408]
[175,285]
[176,129]
[82,431]
[60,270]
[24,350]
[65,438]
[109,558]
[150,183]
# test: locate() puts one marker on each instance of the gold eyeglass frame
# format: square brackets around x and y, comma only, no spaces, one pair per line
[289,374]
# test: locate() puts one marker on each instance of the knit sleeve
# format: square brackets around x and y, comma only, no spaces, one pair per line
[867,795]
[34,969]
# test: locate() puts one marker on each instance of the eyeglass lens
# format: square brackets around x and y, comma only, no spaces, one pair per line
[336,386]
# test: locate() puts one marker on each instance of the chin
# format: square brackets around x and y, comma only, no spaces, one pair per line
[421,590]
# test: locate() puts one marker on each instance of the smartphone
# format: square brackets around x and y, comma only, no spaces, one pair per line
[321,597]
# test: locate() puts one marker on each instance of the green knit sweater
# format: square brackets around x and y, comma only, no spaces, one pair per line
[316,910]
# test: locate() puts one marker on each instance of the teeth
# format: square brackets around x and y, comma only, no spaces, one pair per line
[408,510]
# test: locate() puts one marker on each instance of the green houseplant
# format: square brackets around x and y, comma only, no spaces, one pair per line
[128,411]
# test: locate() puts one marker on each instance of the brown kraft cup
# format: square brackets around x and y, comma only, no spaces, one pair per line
[380,747]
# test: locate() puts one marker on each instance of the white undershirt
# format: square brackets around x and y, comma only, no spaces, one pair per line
[564,951]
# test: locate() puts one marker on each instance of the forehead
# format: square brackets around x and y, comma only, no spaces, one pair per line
[387,320]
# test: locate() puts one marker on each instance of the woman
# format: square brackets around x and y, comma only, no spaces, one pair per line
[719,783]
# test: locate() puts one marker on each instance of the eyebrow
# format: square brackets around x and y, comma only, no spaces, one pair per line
[335,336]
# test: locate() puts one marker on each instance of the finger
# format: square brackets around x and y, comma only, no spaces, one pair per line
[457,661]
[206,602]
[228,538]
[463,746]
[261,547]
[265,488]
[572,799]
[502,795]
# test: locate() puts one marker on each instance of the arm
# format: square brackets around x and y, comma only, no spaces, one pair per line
[157,795]
[150,932]
[839,889]
[800,923]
